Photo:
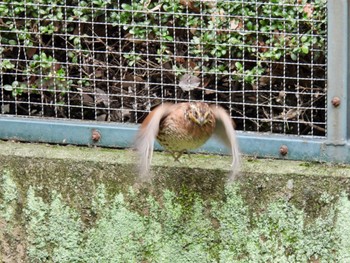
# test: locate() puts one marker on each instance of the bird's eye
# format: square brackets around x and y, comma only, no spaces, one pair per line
[196,114]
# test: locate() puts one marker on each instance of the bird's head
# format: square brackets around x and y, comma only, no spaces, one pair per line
[200,113]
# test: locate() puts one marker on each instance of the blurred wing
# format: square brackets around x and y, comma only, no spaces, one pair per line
[225,131]
[144,142]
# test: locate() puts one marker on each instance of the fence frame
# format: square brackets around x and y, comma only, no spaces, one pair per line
[335,147]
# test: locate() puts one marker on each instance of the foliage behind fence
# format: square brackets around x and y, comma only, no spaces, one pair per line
[265,61]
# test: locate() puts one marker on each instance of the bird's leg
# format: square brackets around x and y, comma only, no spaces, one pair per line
[177,155]
[189,154]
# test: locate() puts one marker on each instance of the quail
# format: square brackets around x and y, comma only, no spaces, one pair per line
[183,127]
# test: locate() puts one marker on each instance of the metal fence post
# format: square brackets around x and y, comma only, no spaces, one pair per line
[338,116]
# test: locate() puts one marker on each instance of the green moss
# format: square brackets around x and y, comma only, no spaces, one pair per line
[167,231]
[116,236]
[53,230]
[342,229]
[12,245]
[9,196]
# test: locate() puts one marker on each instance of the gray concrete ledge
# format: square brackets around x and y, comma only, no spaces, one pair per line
[73,169]
[195,161]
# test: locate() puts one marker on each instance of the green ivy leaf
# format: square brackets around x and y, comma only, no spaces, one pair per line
[8,87]
[305,49]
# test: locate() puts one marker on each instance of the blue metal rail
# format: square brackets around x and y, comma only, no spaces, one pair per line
[121,136]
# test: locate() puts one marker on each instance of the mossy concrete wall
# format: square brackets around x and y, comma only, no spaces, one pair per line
[76,204]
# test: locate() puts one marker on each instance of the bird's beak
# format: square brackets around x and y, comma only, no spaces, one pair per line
[201,121]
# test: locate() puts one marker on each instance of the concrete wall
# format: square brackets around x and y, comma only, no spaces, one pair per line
[75,204]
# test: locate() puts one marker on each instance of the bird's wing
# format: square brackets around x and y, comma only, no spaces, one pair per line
[144,142]
[225,131]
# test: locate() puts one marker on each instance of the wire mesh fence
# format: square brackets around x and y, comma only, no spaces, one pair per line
[264,61]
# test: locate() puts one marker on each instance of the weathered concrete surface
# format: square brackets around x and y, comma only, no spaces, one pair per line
[71,169]
[195,161]
[36,177]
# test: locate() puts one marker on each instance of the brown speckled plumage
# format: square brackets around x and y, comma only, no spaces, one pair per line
[177,133]
[182,127]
